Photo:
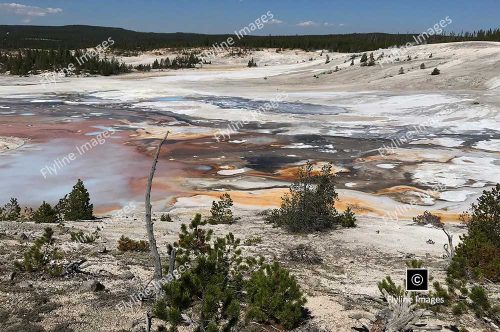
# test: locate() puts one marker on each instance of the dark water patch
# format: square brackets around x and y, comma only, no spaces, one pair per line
[269,162]
[270,106]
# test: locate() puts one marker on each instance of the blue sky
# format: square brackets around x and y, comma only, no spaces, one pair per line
[225,16]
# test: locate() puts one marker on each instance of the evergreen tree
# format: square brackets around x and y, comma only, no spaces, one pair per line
[252,63]
[363,60]
[478,255]
[77,205]
[309,206]
[221,212]
[371,62]
[11,211]
[45,214]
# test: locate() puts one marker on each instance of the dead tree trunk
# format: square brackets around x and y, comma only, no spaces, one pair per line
[149,223]
[449,248]
[399,315]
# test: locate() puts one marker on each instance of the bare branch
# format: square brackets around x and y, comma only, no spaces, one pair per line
[448,248]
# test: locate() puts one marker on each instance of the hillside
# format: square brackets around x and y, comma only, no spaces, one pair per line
[83,36]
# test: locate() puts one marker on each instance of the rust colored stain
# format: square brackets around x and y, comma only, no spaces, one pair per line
[271,198]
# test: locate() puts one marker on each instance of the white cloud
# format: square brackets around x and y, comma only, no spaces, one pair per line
[307,24]
[28,12]
[275,21]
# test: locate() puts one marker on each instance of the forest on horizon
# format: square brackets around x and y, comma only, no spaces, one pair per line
[83,36]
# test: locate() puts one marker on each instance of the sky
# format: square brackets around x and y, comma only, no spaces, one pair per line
[290,17]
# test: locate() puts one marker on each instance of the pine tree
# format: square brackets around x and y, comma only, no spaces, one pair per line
[309,206]
[77,205]
[363,60]
[221,212]
[436,72]
[45,214]
[371,62]
[252,63]
[11,211]
[478,254]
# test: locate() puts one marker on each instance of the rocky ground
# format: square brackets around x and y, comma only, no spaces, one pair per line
[340,280]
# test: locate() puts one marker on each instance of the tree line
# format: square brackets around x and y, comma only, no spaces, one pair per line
[25,62]
[28,61]
[179,62]
[79,37]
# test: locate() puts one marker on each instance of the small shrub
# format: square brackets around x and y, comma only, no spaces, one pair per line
[371,61]
[348,218]
[42,255]
[252,241]
[127,244]
[166,217]
[480,302]
[441,292]
[46,214]
[401,71]
[459,309]
[309,206]
[252,63]
[221,212]
[364,59]
[422,66]
[27,214]
[390,287]
[414,264]
[436,72]
[274,296]
[428,218]
[304,253]
[81,237]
